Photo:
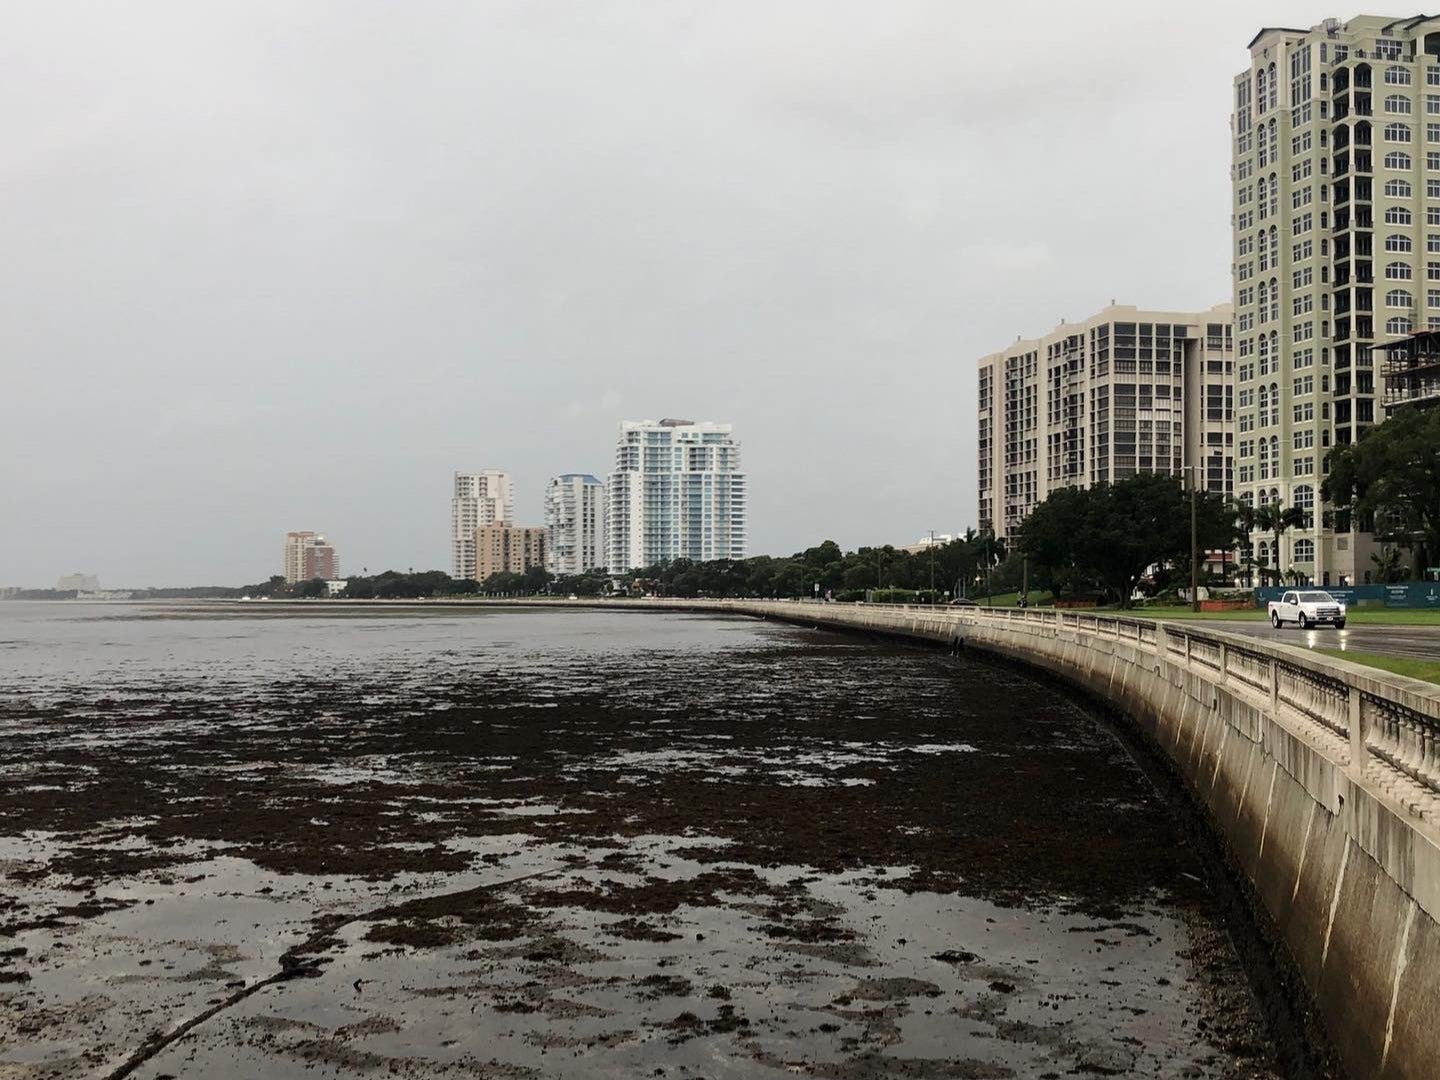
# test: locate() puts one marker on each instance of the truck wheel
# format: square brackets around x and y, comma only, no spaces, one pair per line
[1339,624]
[1304,621]
[1275,619]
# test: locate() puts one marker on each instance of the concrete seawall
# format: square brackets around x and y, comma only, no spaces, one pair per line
[1323,778]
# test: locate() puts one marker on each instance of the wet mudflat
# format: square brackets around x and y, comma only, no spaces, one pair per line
[578,844]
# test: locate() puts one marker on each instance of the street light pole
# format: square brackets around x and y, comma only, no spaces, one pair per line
[988,560]
[932,566]
[1193,470]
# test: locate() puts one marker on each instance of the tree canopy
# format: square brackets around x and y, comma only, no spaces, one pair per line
[1104,538]
[1391,475]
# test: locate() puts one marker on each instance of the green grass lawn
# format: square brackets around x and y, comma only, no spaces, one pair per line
[1038,598]
[1429,670]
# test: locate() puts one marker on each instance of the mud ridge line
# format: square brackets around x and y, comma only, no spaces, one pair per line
[295,963]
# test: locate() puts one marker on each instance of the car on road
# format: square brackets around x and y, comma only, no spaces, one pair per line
[1307,608]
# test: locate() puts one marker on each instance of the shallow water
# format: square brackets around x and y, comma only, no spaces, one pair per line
[576,844]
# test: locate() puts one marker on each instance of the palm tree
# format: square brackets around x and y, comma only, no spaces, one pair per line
[1276,518]
[1387,564]
[1245,525]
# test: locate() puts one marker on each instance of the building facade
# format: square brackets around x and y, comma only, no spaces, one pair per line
[676,492]
[308,555]
[480,498]
[575,520]
[512,549]
[79,582]
[1122,392]
[1336,233]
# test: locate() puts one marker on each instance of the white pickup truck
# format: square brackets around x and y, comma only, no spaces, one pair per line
[1307,608]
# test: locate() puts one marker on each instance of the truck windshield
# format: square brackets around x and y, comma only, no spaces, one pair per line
[1316,598]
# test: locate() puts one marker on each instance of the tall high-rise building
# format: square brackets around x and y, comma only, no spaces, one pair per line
[513,549]
[1122,392]
[481,498]
[308,555]
[1336,188]
[575,519]
[677,492]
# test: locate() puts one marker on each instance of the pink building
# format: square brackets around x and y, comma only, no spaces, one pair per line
[309,555]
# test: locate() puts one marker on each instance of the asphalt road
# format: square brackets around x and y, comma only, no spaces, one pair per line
[1418,642]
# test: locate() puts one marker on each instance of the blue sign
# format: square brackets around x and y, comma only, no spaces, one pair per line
[1415,594]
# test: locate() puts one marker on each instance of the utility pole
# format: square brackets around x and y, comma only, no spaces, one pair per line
[1194,546]
[988,559]
[932,566]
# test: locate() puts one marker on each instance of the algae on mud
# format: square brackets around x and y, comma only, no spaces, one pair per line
[585,843]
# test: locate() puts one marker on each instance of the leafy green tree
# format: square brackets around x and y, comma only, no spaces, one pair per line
[1110,534]
[1394,470]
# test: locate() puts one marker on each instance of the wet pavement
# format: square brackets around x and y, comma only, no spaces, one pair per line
[1416,642]
[579,844]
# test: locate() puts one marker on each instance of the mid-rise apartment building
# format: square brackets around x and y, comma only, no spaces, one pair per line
[575,520]
[308,555]
[1122,392]
[676,492]
[480,498]
[1336,190]
[501,548]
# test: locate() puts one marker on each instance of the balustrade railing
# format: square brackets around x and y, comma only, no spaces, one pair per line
[1322,698]
[1405,738]
[1248,666]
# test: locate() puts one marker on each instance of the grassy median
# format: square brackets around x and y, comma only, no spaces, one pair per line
[1428,670]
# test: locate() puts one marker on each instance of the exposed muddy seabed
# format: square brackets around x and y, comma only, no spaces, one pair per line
[698,848]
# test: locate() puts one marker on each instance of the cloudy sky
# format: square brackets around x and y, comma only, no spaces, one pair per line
[270,266]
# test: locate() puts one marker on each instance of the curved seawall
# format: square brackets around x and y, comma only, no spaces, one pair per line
[1322,776]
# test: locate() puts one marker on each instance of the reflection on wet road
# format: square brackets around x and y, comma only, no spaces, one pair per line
[580,844]
[1420,642]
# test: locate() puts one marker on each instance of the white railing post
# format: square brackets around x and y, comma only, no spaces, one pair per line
[1274,686]
[1357,733]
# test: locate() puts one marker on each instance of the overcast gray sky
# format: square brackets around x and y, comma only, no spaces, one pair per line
[273,266]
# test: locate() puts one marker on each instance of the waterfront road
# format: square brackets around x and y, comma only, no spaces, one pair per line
[1416,642]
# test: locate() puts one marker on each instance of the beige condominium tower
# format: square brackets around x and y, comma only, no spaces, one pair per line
[1122,392]
[1336,187]
[481,498]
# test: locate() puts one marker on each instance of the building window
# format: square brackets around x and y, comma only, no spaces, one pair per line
[1397,189]
[1398,160]
[1398,325]
[1397,76]
[1398,104]
[1398,271]
[1399,298]
[1398,242]
[1397,215]
[1397,132]
[1305,551]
